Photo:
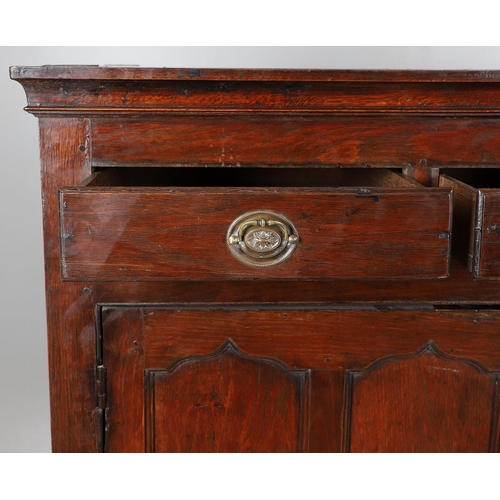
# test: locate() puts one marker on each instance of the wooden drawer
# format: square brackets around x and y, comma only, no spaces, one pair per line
[476,227]
[141,224]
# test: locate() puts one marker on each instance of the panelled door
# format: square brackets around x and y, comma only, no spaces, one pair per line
[282,380]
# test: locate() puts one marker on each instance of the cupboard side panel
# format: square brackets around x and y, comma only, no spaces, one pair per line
[64,156]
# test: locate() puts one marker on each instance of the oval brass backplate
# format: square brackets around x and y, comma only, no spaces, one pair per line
[262,238]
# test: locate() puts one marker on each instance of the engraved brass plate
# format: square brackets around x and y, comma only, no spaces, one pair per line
[262,238]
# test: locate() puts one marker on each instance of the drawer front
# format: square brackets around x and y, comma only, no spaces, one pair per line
[489,243]
[166,233]
[388,140]
[476,228]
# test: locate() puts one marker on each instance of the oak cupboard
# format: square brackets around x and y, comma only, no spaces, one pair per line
[270,260]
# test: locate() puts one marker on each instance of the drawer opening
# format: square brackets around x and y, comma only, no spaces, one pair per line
[248,177]
[481,178]
[476,219]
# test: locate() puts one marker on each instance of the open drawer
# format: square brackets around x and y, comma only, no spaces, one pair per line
[476,227]
[248,223]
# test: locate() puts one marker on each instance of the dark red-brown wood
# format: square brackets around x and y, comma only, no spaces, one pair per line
[147,233]
[383,141]
[70,310]
[228,402]
[110,73]
[422,402]
[144,90]
[489,226]
[459,289]
[125,351]
[187,365]
[477,220]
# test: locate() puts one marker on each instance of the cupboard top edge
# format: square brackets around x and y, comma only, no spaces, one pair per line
[113,73]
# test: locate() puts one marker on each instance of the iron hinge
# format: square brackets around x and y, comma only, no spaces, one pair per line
[101,387]
[101,407]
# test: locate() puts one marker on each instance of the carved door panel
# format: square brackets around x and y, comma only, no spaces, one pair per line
[226,401]
[422,402]
[257,380]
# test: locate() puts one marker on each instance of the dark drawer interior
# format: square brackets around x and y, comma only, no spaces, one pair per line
[249,177]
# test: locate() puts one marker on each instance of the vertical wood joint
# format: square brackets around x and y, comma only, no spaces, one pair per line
[495,435]
[428,176]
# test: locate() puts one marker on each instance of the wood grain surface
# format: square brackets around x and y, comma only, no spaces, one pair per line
[75,418]
[137,73]
[208,393]
[420,403]
[476,226]
[179,233]
[149,316]
[428,390]
[384,141]
[488,266]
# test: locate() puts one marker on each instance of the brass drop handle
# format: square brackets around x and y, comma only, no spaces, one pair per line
[262,238]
